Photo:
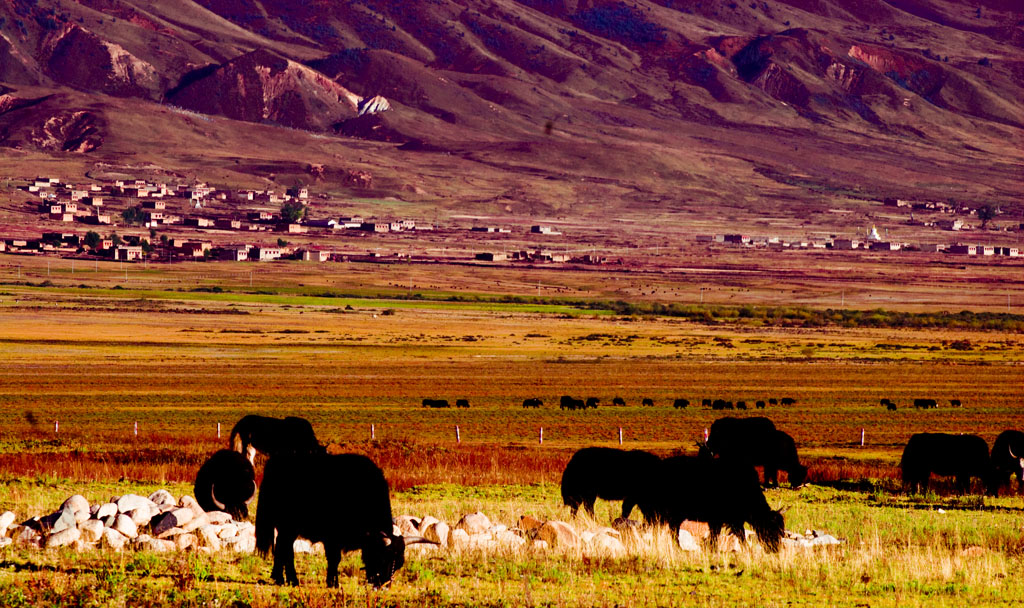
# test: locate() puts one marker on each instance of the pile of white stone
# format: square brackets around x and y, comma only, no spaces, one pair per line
[156,523]
[162,523]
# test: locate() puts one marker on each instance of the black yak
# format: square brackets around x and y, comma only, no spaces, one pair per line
[681,403]
[462,403]
[226,482]
[532,402]
[716,491]
[570,403]
[592,402]
[963,456]
[647,402]
[436,403]
[756,441]
[619,401]
[341,500]
[273,436]
[606,473]
[1008,457]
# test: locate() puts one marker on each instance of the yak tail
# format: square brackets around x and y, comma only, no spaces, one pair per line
[265,518]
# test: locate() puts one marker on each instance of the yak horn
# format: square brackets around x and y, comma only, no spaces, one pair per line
[253,497]
[1012,455]
[412,540]
[783,510]
[213,497]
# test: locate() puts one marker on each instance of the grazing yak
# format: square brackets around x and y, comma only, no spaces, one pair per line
[963,456]
[462,403]
[1008,457]
[619,401]
[759,404]
[756,441]
[592,402]
[681,403]
[647,402]
[341,500]
[226,482]
[926,404]
[716,491]
[532,402]
[436,403]
[606,473]
[273,436]
[570,403]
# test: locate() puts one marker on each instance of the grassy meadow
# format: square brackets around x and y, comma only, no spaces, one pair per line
[96,355]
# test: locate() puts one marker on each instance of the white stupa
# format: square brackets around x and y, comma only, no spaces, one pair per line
[873,234]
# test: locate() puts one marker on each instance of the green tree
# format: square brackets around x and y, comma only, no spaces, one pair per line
[116,240]
[292,211]
[282,243]
[133,216]
[92,239]
[986,213]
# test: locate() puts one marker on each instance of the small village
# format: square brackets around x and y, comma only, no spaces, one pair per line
[123,221]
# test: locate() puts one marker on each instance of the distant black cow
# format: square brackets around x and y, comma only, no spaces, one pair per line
[925,404]
[773,401]
[462,403]
[570,403]
[884,402]
[226,482]
[273,436]
[618,401]
[532,402]
[681,403]
[741,405]
[592,402]
[606,473]
[963,456]
[705,403]
[756,441]
[647,402]
[1008,457]
[341,500]
[760,405]
[787,401]
[436,403]
[955,403]
[719,492]
[890,406]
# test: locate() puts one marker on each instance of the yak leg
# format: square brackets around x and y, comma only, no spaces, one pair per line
[771,477]
[284,560]
[714,529]
[333,552]
[588,504]
[738,532]
[627,506]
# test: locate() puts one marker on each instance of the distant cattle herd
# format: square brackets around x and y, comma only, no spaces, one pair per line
[719,486]
[568,402]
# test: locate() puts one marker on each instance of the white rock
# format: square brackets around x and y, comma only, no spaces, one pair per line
[185,541]
[113,539]
[228,531]
[63,538]
[208,536]
[60,521]
[218,517]
[425,522]
[76,503]
[196,523]
[438,532]
[125,525]
[474,523]
[407,525]
[130,502]
[687,542]
[302,545]
[540,545]
[25,536]
[497,529]
[184,515]
[92,530]
[246,528]
[190,503]
[458,538]
[558,534]
[105,510]
[170,533]
[241,544]
[162,497]
[4,541]
[825,539]
[6,520]
[140,517]
[508,538]
[156,545]
[603,544]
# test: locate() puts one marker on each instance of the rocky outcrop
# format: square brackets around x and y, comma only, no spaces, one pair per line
[81,59]
[263,87]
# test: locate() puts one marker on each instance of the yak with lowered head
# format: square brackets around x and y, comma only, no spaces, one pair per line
[963,456]
[273,436]
[756,441]
[226,482]
[341,500]
[716,491]
[1008,457]
[606,473]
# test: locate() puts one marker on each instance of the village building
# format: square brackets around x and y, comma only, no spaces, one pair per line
[264,254]
[491,257]
[228,224]
[375,226]
[962,249]
[315,255]
[884,246]
[157,205]
[544,230]
[234,253]
[1012,252]
[199,222]
[128,253]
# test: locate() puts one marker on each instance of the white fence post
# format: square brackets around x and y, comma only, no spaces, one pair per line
[373,432]
[136,428]
[56,427]
[541,438]
[620,435]
[862,438]
[458,438]
[218,430]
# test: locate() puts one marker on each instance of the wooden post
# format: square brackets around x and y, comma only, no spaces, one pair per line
[862,438]
[218,430]
[458,438]
[56,427]
[136,428]
[541,438]
[620,435]
[705,434]
[373,433]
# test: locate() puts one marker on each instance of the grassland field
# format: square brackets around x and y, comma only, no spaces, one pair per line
[96,355]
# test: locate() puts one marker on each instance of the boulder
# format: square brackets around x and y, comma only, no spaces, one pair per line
[6,520]
[458,538]
[92,530]
[170,519]
[508,538]
[185,541]
[59,521]
[227,531]
[130,502]
[105,510]
[190,503]
[437,532]
[302,545]
[530,524]
[246,528]
[407,525]
[162,497]
[141,516]
[241,543]
[63,538]
[558,534]
[218,517]
[698,529]
[604,544]
[170,533]
[79,506]
[686,541]
[26,536]
[208,536]
[474,523]
[196,523]
[155,544]
[481,541]
[5,541]
[426,522]
[125,525]
[540,545]
[113,539]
